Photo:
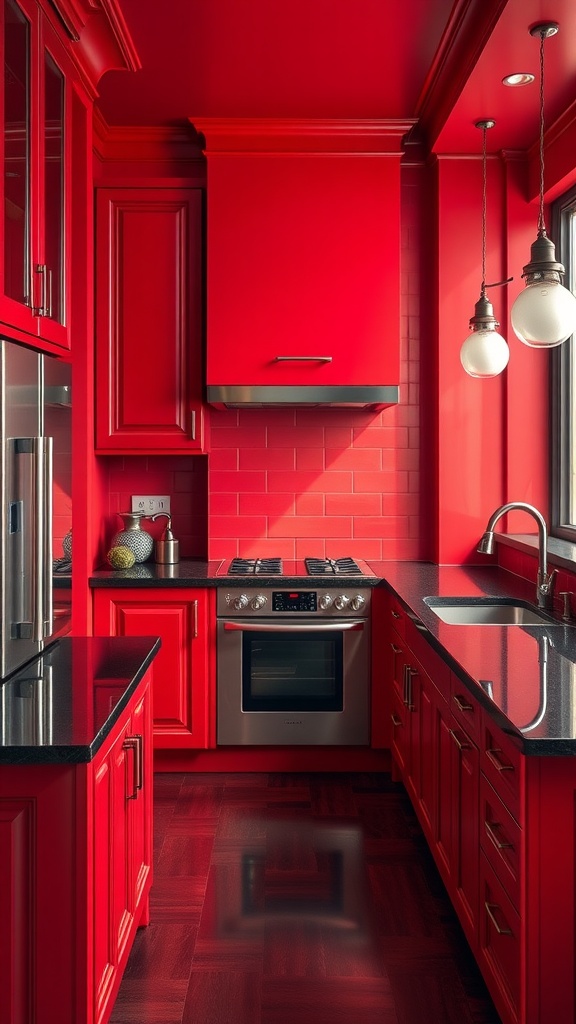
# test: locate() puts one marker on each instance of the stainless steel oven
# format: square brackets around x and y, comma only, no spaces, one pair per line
[293,663]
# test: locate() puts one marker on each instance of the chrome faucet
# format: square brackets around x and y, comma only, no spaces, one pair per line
[545,581]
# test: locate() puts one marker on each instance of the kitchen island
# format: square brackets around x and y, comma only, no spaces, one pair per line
[75,826]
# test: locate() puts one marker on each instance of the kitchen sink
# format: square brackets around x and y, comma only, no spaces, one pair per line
[487,611]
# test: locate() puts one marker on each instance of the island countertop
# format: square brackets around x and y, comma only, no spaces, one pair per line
[60,707]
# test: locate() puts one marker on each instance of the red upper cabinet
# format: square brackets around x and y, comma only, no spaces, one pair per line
[36,180]
[148,320]
[303,249]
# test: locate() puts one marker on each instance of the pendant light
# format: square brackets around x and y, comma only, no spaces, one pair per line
[484,353]
[544,314]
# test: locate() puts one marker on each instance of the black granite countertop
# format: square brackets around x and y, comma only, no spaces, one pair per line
[195,573]
[525,676]
[61,706]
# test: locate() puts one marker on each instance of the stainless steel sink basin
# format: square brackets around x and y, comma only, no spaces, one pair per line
[487,611]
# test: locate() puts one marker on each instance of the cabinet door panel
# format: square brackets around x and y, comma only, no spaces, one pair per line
[148,327]
[17,857]
[466,841]
[180,674]
[140,808]
[500,943]
[104,966]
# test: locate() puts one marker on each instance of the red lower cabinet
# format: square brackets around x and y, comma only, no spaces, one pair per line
[184,683]
[75,875]
[465,778]
[121,782]
[501,826]
[500,943]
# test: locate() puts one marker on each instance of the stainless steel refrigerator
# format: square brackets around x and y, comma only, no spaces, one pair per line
[28,619]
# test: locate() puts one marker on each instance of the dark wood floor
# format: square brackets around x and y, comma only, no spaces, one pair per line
[296,899]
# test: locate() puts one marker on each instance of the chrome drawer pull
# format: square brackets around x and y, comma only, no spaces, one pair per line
[461,744]
[407,674]
[490,830]
[396,650]
[490,908]
[396,721]
[302,359]
[462,704]
[499,765]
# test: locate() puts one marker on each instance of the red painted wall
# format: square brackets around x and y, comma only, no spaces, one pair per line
[183,479]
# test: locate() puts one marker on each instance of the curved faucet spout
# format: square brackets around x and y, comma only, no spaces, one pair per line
[545,583]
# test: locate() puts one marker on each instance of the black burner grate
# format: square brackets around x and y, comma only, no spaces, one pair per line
[255,567]
[332,567]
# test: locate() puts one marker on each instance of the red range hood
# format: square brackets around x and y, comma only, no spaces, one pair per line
[303,250]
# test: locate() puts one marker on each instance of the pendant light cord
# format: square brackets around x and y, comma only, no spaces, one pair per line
[484,189]
[541,224]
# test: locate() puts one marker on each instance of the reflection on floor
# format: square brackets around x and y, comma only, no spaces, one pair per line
[296,899]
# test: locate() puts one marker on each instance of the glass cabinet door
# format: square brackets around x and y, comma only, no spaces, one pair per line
[52,272]
[17,166]
[34,164]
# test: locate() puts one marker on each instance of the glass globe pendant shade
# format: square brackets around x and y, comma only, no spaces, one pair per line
[484,352]
[544,314]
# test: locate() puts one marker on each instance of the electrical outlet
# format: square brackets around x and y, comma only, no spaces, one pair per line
[149,504]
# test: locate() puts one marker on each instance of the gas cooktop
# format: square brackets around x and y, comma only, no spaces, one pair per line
[317,567]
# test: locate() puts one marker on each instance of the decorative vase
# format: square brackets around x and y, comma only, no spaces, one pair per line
[67,545]
[133,537]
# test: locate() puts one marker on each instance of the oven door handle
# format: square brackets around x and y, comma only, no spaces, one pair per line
[303,627]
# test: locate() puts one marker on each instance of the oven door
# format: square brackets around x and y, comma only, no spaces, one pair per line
[293,682]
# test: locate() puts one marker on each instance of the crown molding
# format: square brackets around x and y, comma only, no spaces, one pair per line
[291,135]
[144,143]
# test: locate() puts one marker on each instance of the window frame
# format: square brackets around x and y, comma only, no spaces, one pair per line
[563,381]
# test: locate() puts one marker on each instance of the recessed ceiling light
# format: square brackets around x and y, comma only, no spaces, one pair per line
[520,78]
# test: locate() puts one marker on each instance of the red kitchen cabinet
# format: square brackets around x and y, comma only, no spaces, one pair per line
[465,787]
[122,836]
[35,256]
[291,204]
[501,827]
[75,874]
[183,681]
[149,320]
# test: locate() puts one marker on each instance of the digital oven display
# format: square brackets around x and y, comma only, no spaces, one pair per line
[293,600]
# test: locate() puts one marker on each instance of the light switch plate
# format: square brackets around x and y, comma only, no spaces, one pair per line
[149,504]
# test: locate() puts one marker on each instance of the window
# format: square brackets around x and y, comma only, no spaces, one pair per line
[563,455]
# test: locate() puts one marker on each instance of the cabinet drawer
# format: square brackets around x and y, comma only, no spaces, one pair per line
[500,839]
[500,942]
[399,741]
[502,764]
[431,661]
[397,655]
[396,615]
[465,709]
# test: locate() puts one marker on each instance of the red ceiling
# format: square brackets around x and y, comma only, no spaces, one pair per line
[442,60]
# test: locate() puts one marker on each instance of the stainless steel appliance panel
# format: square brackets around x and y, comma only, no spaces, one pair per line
[26,619]
[297,677]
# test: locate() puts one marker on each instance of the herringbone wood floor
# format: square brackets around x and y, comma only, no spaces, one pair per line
[296,899]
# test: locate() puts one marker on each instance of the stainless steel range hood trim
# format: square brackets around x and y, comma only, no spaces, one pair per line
[237,396]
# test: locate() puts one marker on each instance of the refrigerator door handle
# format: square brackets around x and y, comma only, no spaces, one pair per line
[46,446]
[41,610]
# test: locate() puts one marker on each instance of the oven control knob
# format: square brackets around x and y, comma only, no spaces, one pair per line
[258,602]
[341,602]
[357,602]
[240,602]
[325,602]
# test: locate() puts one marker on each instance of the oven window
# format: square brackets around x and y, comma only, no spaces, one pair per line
[299,672]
